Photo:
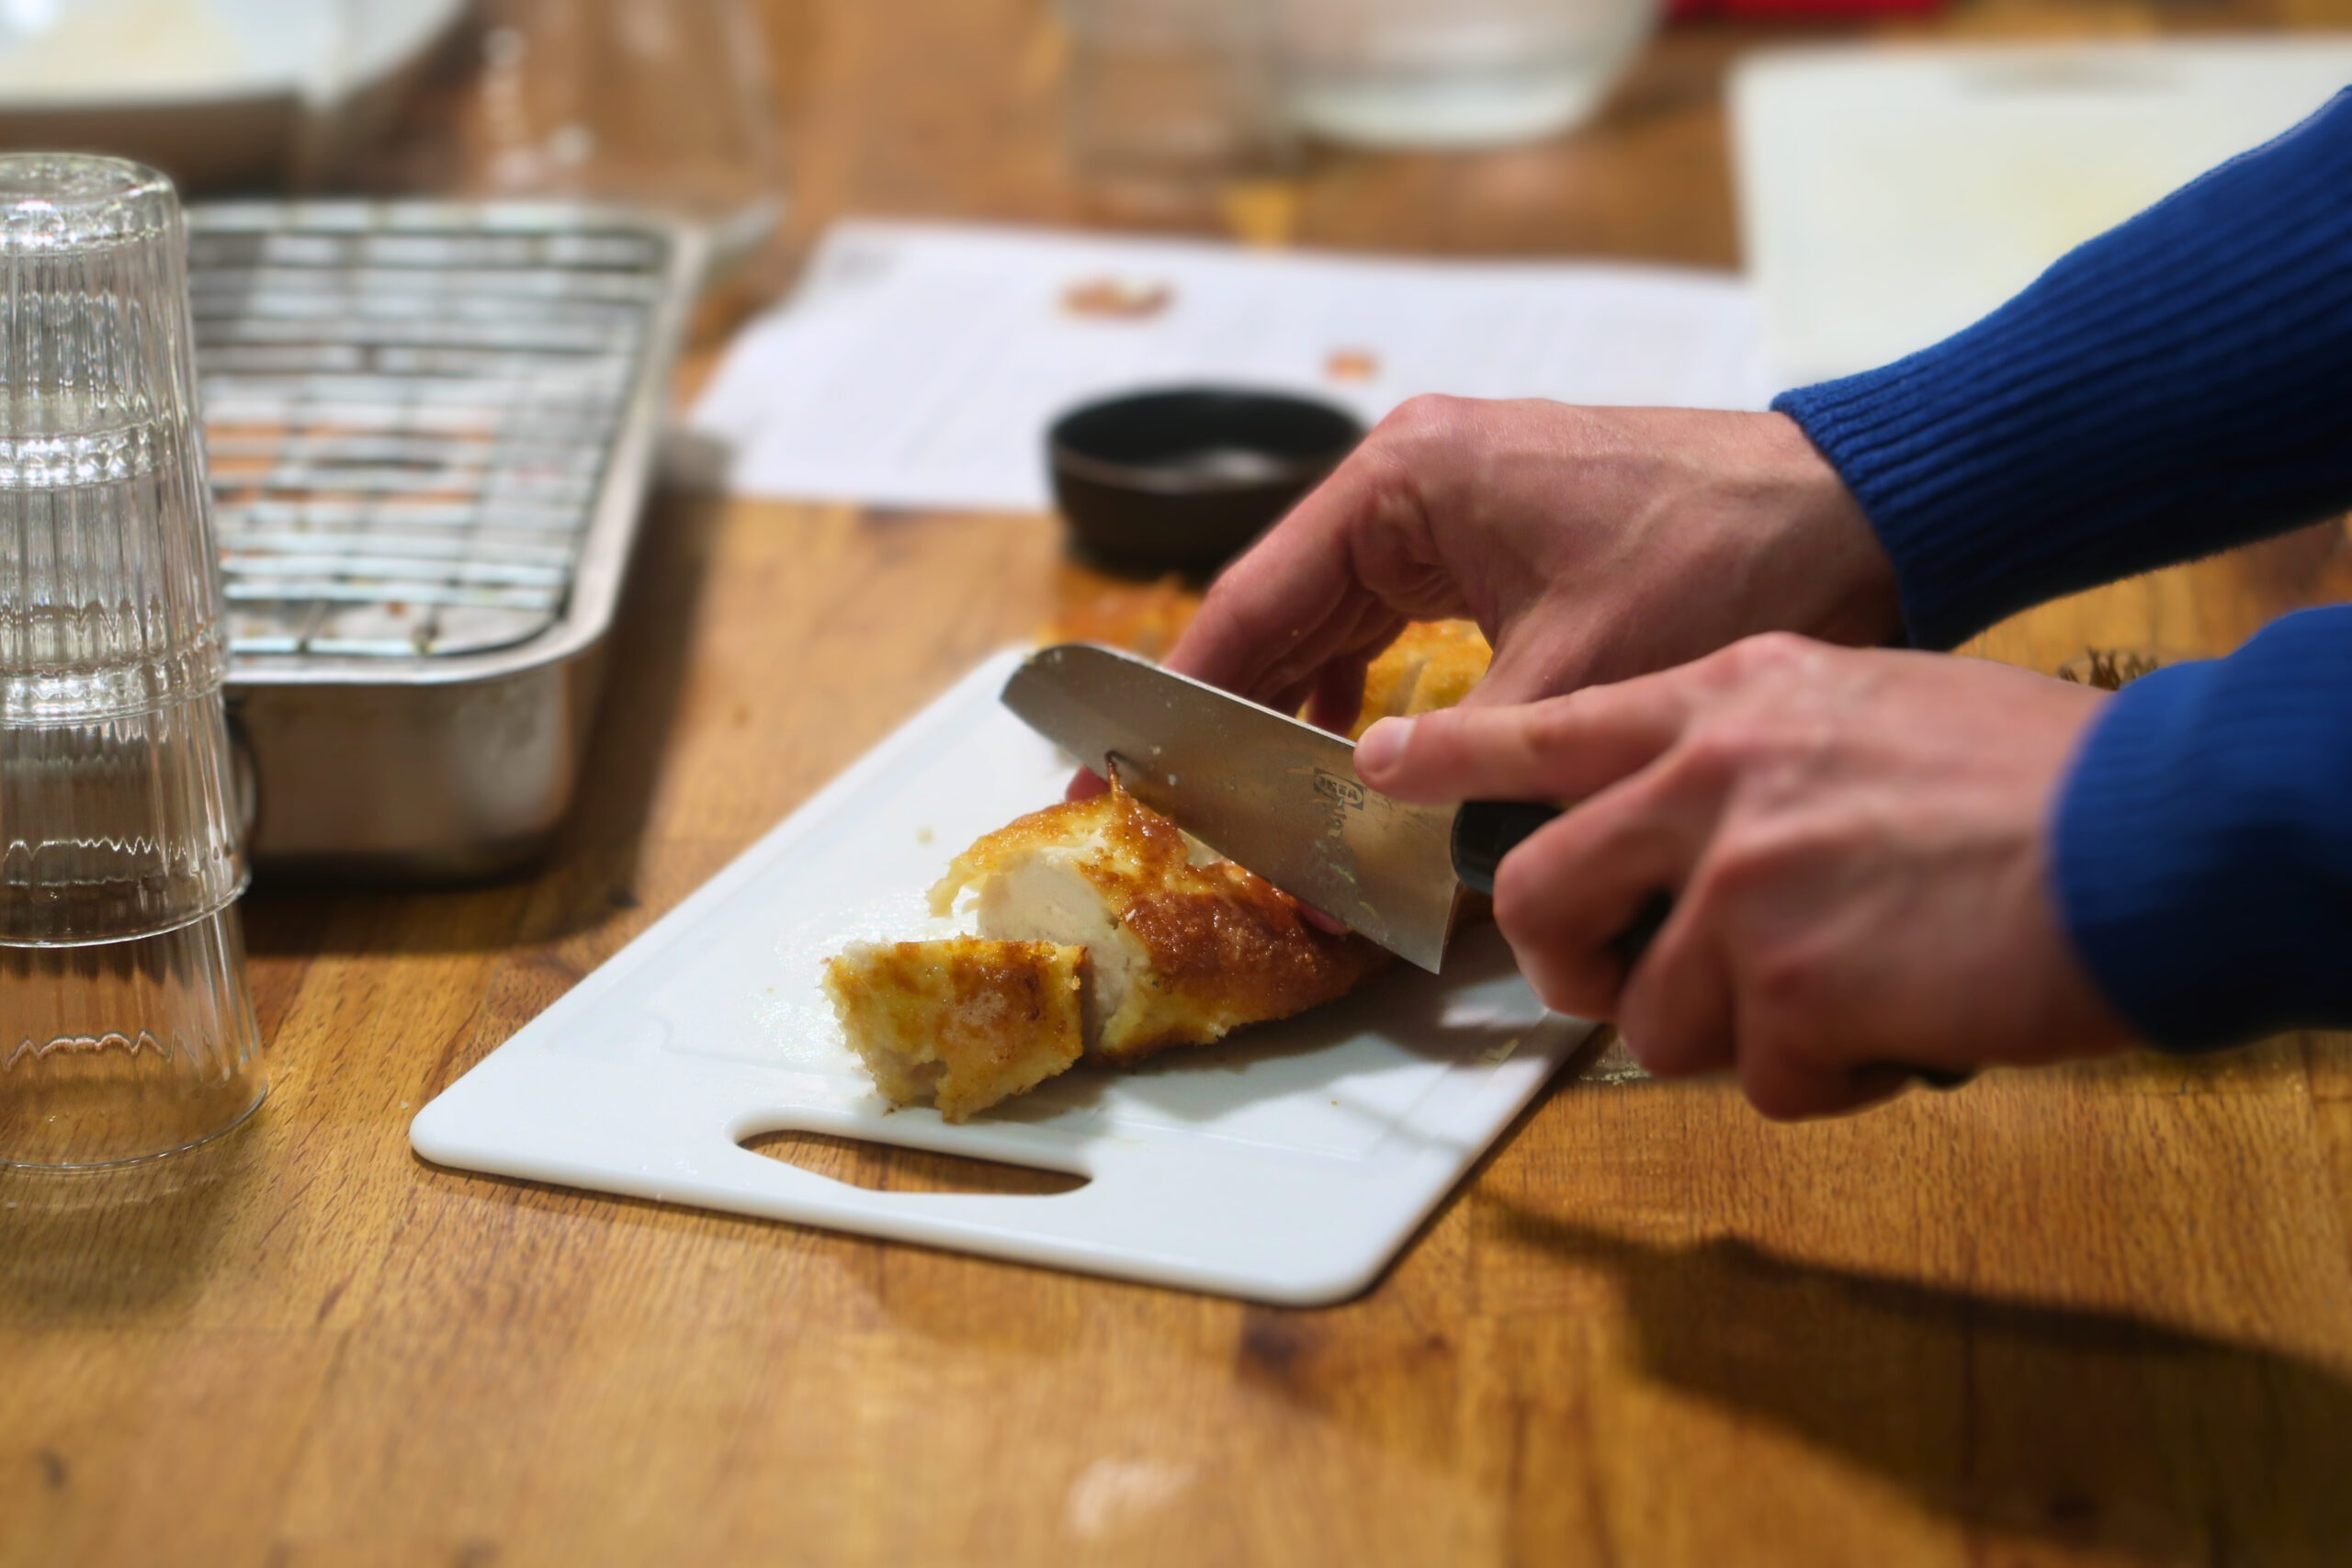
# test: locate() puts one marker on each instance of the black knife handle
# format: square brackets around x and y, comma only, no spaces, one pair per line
[1485,831]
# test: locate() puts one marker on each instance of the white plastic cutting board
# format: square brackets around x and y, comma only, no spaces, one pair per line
[1287,1164]
[1891,195]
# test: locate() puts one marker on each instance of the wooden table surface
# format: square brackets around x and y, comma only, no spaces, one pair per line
[2094,1315]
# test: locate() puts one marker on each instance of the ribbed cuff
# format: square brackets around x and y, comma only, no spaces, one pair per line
[2203,841]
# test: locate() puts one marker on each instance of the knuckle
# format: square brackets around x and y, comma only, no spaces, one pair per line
[1722,749]
[1416,418]
[1767,654]
[1735,870]
[1774,649]
[1554,727]
[1783,981]
[1710,755]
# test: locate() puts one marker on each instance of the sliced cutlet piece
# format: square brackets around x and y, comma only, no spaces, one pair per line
[1183,946]
[963,1022]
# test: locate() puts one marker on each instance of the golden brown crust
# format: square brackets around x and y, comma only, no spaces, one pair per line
[1226,956]
[1145,619]
[1206,948]
[965,1022]
[1431,665]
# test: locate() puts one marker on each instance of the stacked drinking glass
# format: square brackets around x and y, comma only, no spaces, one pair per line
[126,1028]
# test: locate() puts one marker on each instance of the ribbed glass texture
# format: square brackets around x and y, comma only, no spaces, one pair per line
[125,1025]
[119,1050]
[114,757]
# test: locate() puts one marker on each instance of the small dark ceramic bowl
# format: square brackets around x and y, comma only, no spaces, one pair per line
[1180,480]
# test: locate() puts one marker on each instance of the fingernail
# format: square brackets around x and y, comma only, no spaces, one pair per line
[1383,745]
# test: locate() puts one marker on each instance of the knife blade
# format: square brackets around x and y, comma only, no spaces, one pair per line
[1264,789]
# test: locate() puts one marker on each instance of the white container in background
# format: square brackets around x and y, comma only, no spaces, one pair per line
[1454,74]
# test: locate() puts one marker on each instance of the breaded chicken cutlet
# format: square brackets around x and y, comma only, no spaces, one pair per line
[1183,949]
[1170,951]
[1105,935]
[1431,665]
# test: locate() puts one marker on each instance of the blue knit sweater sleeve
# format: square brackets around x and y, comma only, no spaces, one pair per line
[2180,384]
[2203,843]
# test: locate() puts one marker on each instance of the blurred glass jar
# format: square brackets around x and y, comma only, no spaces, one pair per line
[1454,74]
[1167,102]
[662,104]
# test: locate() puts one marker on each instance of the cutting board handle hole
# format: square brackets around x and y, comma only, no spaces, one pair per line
[886,1167]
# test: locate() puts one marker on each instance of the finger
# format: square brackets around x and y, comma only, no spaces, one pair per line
[1275,601]
[1298,598]
[1348,639]
[1338,698]
[1086,785]
[1563,896]
[1788,1085]
[1676,1011]
[1292,697]
[1560,749]
[1548,651]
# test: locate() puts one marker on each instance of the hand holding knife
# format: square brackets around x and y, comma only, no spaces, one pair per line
[1283,799]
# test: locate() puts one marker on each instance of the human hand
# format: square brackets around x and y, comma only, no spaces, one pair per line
[1589,545]
[1857,843]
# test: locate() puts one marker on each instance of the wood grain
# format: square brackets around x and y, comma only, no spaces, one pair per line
[2097,1315]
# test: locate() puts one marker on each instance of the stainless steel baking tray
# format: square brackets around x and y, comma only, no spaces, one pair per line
[431,427]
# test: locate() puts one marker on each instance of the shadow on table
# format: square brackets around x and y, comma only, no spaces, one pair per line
[588,874]
[2085,1428]
[81,1248]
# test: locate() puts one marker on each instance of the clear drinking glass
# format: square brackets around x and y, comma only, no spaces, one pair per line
[664,104]
[1455,73]
[1167,102]
[126,1028]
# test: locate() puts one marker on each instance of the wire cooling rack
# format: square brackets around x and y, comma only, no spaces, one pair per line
[408,412]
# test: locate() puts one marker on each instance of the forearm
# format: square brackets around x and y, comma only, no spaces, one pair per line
[2179,384]
[2203,853]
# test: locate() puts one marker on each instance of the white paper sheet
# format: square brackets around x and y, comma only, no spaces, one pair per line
[919,364]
